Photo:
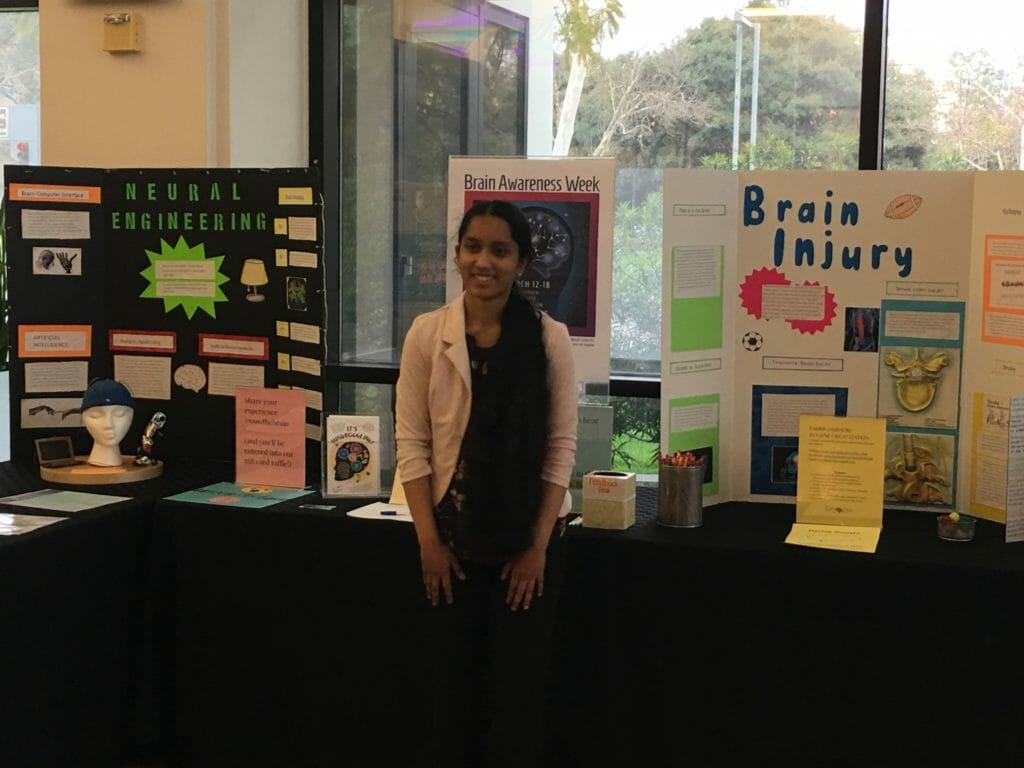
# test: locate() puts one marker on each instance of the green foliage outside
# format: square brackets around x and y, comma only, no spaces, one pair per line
[673,108]
[635,437]
[636,286]
[19,84]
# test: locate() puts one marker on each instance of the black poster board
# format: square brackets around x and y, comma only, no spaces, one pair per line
[182,283]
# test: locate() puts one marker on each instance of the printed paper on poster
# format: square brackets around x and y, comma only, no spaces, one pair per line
[225,378]
[991,428]
[49,412]
[304,332]
[1015,472]
[54,340]
[146,377]
[57,377]
[302,259]
[55,225]
[57,261]
[224,345]
[295,196]
[54,193]
[142,341]
[302,228]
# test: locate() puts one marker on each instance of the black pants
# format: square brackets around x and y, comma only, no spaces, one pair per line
[491,669]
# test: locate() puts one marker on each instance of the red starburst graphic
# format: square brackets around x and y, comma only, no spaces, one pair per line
[750,298]
[813,326]
[750,288]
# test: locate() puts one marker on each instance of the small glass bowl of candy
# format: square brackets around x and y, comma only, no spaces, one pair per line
[956,527]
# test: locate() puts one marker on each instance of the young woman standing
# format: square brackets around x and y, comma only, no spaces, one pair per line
[486,434]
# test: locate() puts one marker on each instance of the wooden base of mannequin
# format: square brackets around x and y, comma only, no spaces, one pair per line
[87,474]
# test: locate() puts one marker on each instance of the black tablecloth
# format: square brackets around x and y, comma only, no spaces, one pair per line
[294,634]
[724,646]
[296,640]
[74,624]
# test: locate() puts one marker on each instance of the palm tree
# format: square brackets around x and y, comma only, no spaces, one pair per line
[582,29]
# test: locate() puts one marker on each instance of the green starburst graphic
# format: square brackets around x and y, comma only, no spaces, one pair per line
[182,276]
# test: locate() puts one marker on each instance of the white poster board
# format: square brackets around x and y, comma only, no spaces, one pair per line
[776,290]
[570,204]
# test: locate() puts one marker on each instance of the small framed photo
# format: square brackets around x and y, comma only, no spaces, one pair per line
[295,293]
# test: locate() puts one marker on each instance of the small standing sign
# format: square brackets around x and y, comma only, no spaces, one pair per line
[840,482]
[351,456]
[270,437]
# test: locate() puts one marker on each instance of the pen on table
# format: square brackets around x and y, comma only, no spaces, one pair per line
[389,511]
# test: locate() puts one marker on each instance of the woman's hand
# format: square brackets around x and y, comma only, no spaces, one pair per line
[524,573]
[438,563]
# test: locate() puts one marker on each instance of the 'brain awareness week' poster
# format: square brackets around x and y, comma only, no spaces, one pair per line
[569,205]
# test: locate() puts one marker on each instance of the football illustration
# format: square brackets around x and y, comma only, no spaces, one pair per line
[903,206]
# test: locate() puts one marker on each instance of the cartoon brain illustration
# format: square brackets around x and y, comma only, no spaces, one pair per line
[351,458]
[190,377]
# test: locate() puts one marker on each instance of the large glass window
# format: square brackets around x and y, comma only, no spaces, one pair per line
[954,87]
[19,141]
[716,87]
[19,87]
[421,80]
[655,85]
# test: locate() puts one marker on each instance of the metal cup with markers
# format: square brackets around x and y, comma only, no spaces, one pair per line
[681,490]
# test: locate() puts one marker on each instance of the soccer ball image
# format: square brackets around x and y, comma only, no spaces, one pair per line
[752,341]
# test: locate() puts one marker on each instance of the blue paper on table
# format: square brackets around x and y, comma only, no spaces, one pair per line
[239,495]
[56,500]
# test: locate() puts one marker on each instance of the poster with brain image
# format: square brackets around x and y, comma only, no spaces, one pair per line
[897,296]
[351,460]
[569,205]
[184,284]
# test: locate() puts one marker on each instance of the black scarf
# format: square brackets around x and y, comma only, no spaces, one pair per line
[504,445]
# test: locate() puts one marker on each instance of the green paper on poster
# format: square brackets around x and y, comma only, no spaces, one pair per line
[183,276]
[694,425]
[696,307]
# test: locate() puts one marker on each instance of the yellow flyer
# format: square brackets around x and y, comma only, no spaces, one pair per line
[840,482]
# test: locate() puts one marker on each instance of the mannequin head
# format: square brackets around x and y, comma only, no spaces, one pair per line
[107,411]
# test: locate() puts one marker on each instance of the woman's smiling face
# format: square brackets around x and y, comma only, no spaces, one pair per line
[488,258]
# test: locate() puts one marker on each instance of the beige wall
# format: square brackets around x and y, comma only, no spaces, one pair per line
[268,72]
[158,107]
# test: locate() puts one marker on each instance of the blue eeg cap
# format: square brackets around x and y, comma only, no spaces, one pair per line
[107,392]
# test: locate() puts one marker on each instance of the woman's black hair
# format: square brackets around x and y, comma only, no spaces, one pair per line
[518,226]
[504,483]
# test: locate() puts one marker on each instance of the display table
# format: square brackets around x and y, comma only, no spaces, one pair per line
[724,646]
[74,623]
[296,638]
